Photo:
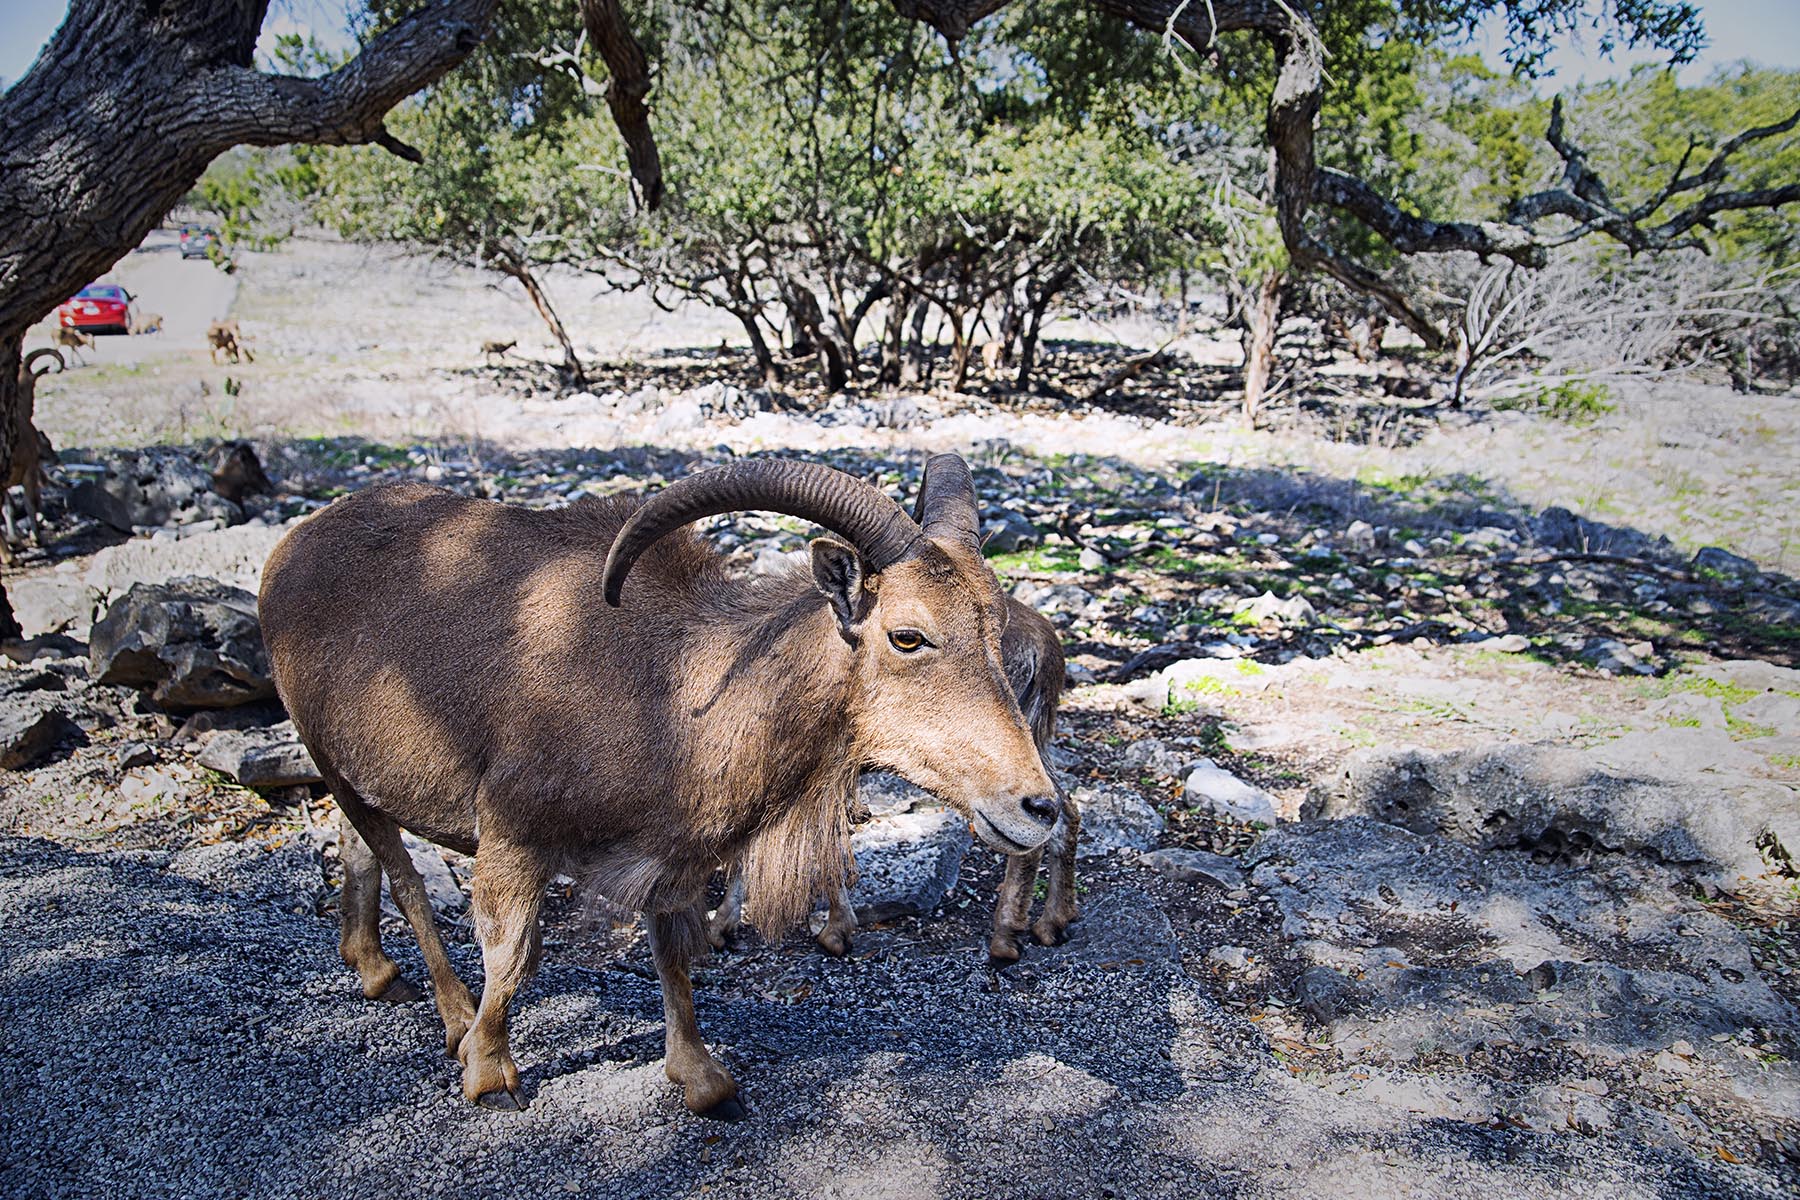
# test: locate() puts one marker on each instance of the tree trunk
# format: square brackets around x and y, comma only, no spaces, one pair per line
[893,342]
[127,105]
[916,368]
[1038,301]
[1261,320]
[11,399]
[869,299]
[514,267]
[809,322]
[766,366]
[962,347]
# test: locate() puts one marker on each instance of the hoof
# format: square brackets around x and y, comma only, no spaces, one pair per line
[502,1101]
[833,943]
[401,991]
[1003,952]
[1049,935]
[728,1109]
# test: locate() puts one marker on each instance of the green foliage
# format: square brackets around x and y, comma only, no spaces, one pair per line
[1571,401]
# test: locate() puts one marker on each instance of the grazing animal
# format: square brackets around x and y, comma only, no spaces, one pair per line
[148,323]
[497,349]
[224,337]
[31,450]
[73,340]
[449,667]
[993,357]
[1031,652]
[239,473]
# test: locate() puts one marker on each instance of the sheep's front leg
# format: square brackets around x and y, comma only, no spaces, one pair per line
[709,1088]
[1012,910]
[507,895]
[1059,905]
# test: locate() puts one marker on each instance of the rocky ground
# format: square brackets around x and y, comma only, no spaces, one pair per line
[1438,835]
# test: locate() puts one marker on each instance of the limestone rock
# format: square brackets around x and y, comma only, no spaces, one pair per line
[1115,818]
[1417,944]
[192,643]
[261,758]
[1652,798]
[1196,866]
[1714,560]
[31,725]
[906,863]
[1008,532]
[1212,787]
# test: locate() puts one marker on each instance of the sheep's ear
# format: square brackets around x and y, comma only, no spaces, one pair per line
[838,573]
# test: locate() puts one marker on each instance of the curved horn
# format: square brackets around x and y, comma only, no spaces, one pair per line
[42,352]
[878,528]
[946,507]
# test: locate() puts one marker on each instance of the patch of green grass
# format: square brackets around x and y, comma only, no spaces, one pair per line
[1742,730]
[1785,762]
[1038,560]
[1576,403]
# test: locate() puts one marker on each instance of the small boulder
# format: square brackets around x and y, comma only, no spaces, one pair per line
[1008,532]
[1712,560]
[1149,756]
[1212,787]
[1270,608]
[1613,657]
[1196,866]
[192,643]
[89,499]
[1115,818]
[884,795]
[906,863]
[31,725]
[261,758]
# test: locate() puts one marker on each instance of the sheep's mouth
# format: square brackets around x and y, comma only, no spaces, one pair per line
[1008,844]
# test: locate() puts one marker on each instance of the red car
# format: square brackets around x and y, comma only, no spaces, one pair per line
[98,306]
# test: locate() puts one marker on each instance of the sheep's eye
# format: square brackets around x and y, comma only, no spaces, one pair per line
[906,640]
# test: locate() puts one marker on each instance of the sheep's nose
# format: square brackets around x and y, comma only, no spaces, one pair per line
[1042,809]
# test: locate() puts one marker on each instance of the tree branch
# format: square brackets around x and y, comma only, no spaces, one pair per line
[611,34]
[348,106]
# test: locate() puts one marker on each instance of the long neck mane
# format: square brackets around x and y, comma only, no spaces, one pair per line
[771,680]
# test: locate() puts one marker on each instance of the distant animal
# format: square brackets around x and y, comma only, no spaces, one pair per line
[993,357]
[452,671]
[31,450]
[238,473]
[224,337]
[497,349]
[73,340]
[149,323]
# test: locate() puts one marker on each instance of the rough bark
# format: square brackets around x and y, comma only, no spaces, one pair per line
[1262,318]
[1038,297]
[809,323]
[128,103]
[611,34]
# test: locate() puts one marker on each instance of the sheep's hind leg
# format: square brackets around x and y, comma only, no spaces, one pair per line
[1012,909]
[707,1087]
[507,895]
[729,917]
[454,1003]
[359,913]
[840,923]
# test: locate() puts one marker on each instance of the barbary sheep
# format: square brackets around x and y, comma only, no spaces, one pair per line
[453,671]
